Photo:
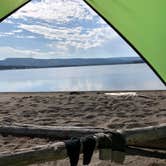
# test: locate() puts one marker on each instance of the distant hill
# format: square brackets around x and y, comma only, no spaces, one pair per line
[23,63]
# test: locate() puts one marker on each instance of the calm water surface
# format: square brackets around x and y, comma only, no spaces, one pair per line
[89,78]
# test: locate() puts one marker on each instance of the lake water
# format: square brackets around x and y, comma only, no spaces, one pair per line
[89,78]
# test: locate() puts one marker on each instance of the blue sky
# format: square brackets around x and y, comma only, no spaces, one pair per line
[59,29]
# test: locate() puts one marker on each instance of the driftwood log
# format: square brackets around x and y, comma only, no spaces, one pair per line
[57,151]
[38,154]
[140,137]
[149,137]
[53,132]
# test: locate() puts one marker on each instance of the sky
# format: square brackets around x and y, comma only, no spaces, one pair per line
[53,29]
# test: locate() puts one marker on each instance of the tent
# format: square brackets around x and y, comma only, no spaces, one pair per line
[140,23]
[7,7]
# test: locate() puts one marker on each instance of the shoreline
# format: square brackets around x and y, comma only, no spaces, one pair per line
[79,92]
[25,68]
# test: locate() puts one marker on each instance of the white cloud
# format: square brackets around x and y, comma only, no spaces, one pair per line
[78,37]
[13,32]
[25,37]
[49,21]
[61,11]
[51,33]
[7,21]
[47,13]
[10,52]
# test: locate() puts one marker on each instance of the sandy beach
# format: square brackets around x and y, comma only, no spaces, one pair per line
[95,109]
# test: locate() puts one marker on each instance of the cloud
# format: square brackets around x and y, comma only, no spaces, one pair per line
[11,33]
[67,27]
[61,11]
[10,52]
[25,37]
[49,20]
[8,21]
[79,37]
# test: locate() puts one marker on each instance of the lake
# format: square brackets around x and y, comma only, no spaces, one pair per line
[87,78]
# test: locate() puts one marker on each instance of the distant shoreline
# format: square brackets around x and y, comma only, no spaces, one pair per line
[2,68]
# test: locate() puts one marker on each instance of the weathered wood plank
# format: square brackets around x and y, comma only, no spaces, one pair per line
[55,132]
[39,154]
[57,151]
[152,137]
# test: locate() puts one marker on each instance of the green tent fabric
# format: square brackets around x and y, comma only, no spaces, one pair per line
[142,23]
[7,7]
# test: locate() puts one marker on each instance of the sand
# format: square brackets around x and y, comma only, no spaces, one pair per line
[98,109]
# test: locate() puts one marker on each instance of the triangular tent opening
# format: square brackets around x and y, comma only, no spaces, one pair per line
[143,31]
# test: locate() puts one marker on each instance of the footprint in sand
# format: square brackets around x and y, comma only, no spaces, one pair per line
[90,116]
[162,115]
[33,105]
